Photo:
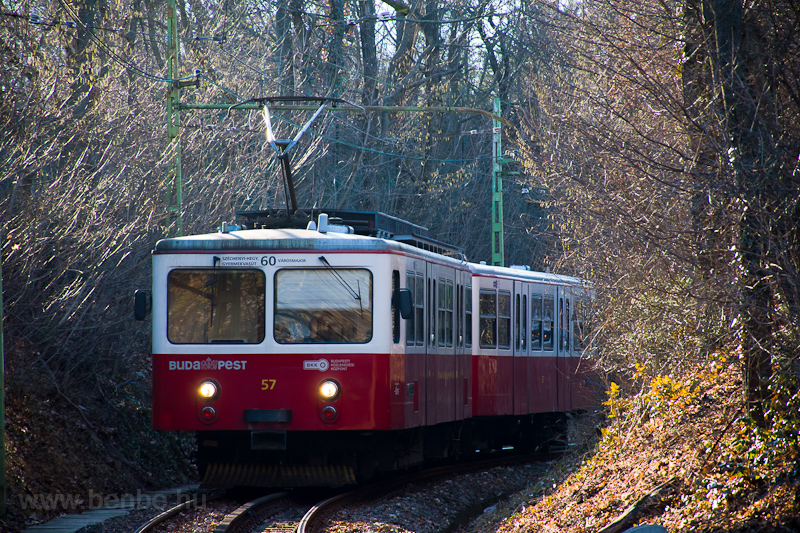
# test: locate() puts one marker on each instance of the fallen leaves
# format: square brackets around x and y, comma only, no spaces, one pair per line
[725,474]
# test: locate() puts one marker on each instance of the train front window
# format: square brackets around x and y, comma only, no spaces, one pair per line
[219,306]
[323,306]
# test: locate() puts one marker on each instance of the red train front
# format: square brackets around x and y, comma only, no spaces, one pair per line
[319,356]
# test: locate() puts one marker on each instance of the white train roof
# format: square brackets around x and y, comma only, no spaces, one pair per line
[288,240]
[530,275]
[342,238]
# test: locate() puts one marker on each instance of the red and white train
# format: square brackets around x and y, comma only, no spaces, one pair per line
[321,356]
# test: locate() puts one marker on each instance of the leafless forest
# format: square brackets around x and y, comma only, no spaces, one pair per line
[655,146]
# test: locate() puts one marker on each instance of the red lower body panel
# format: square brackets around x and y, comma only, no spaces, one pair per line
[493,385]
[585,393]
[271,385]
[543,385]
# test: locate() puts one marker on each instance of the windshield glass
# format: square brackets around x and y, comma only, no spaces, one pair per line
[223,306]
[323,306]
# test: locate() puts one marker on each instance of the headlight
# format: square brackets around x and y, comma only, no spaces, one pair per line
[208,390]
[329,390]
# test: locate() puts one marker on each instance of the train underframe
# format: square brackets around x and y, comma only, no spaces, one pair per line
[337,458]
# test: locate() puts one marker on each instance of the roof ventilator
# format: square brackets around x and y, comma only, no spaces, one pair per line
[227,228]
[324,225]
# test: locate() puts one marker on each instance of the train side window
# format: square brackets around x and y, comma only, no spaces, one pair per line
[547,323]
[588,331]
[560,324]
[395,308]
[504,319]
[488,318]
[442,311]
[565,328]
[411,285]
[432,312]
[468,316]
[445,312]
[579,329]
[517,317]
[536,322]
[419,310]
[524,320]
[450,302]
[459,315]
[429,317]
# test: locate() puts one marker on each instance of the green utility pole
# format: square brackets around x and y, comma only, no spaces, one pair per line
[175,223]
[498,248]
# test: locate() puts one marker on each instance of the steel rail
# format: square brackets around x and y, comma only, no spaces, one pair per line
[249,511]
[169,513]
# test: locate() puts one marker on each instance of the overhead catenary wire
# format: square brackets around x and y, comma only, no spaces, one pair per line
[242,100]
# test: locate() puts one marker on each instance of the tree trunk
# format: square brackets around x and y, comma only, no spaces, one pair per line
[283,25]
[335,64]
[369,53]
[739,72]
[83,91]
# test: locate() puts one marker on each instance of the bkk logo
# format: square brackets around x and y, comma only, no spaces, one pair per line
[208,364]
[322,365]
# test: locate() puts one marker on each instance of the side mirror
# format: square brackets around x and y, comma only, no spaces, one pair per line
[402,299]
[141,304]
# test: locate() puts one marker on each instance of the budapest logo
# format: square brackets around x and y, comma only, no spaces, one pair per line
[207,364]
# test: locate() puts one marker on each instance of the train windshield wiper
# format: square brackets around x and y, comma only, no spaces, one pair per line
[213,297]
[355,294]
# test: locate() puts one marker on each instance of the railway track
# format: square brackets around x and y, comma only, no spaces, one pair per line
[315,518]
[296,513]
[276,512]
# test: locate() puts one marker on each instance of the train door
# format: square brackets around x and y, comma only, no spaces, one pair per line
[463,359]
[430,345]
[505,347]
[441,348]
[492,368]
[580,367]
[520,352]
[416,344]
[563,342]
[543,362]
[470,342]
